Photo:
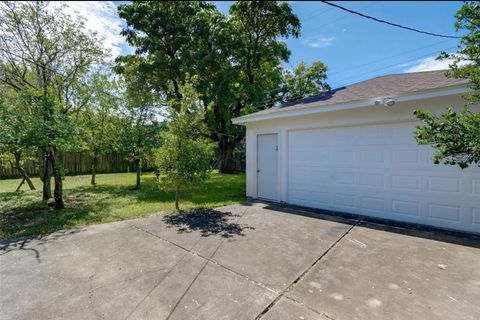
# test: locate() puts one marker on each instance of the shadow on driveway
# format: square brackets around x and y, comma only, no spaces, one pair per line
[207,222]
[408,229]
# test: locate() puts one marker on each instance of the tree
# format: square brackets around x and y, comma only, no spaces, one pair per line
[44,52]
[466,61]
[15,132]
[185,157]
[251,67]
[100,125]
[456,135]
[164,34]
[304,81]
[237,58]
[138,122]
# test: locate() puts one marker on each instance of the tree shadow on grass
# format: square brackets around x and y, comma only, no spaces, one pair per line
[24,213]
[208,222]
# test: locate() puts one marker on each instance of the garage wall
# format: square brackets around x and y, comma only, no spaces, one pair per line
[399,113]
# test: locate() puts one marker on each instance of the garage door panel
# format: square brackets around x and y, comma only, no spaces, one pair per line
[476,216]
[405,182]
[406,207]
[444,184]
[371,179]
[405,156]
[476,186]
[380,171]
[444,212]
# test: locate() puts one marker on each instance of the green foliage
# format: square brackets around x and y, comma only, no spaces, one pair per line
[186,154]
[54,52]
[165,34]
[466,61]
[138,123]
[455,136]
[16,130]
[112,199]
[44,55]
[237,58]
[305,81]
[100,125]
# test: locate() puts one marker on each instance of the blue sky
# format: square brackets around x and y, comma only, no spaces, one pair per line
[352,47]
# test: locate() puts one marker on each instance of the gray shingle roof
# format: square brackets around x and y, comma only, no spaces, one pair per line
[383,86]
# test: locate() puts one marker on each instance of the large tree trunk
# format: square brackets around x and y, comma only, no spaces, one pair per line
[94,170]
[57,178]
[226,148]
[139,173]
[46,177]
[177,196]
[23,173]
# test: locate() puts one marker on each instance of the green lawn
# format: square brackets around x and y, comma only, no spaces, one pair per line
[23,213]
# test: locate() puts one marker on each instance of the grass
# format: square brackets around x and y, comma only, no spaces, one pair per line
[23,213]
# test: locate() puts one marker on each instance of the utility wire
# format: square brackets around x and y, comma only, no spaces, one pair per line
[388,22]
[335,20]
[386,67]
[389,57]
[269,101]
[280,89]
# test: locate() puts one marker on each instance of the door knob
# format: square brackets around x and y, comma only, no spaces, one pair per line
[258,170]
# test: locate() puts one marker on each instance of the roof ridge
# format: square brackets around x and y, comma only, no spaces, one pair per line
[389,75]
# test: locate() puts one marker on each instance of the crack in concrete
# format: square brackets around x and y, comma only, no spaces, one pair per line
[155,286]
[207,260]
[203,267]
[187,252]
[213,261]
[300,277]
[308,307]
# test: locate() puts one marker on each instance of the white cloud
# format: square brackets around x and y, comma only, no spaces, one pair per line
[102,18]
[426,64]
[319,42]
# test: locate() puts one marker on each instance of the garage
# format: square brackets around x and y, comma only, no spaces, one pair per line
[360,157]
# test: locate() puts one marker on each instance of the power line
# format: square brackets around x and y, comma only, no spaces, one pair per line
[387,67]
[335,20]
[389,23]
[389,57]
[269,101]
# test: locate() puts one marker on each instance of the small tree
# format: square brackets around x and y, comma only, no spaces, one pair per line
[139,123]
[185,157]
[456,135]
[44,53]
[15,133]
[99,122]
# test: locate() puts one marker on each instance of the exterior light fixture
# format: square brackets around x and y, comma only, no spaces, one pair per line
[386,102]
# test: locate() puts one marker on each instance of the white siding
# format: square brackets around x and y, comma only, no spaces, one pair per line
[365,161]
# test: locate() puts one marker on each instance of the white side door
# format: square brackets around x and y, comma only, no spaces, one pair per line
[267,166]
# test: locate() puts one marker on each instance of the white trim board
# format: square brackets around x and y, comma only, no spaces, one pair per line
[445,91]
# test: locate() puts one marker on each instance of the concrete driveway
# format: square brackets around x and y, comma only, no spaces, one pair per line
[250,261]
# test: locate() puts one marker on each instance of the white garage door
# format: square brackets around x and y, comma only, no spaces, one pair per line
[380,171]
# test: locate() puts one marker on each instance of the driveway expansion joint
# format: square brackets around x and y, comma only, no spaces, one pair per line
[203,267]
[308,307]
[211,260]
[300,277]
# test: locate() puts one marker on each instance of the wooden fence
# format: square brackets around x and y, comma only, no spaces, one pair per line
[81,163]
[73,164]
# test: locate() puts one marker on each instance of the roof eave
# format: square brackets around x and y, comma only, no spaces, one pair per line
[418,95]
